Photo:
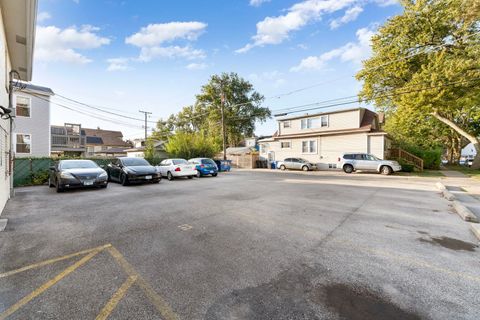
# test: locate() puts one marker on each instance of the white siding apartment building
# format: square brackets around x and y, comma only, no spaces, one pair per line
[31,133]
[321,138]
[17,35]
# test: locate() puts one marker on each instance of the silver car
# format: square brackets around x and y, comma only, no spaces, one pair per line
[351,162]
[296,164]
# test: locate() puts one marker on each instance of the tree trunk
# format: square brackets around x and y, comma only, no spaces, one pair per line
[474,140]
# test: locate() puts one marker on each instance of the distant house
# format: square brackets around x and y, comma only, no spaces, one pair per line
[74,141]
[99,142]
[138,149]
[67,140]
[31,134]
[322,137]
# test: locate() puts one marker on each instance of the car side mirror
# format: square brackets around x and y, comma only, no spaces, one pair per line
[102,166]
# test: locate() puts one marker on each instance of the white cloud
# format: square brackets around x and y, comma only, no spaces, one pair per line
[274,30]
[55,44]
[156,34]
[196,66]
[151,40]
[273,78]
[384,3]
[350,15]
[257,3]
[42,16]
[351,52]
[118,64]
[186,52]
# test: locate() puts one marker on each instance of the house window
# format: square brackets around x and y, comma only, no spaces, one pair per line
[324,121]
[309,146]
[286,124]
[286,145]
[23,107]
[310,123]
[24,142]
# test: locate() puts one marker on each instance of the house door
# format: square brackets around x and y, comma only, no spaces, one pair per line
[271,156]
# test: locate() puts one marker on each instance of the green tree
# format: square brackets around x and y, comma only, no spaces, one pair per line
[426,61]
[191,144]
[242,107]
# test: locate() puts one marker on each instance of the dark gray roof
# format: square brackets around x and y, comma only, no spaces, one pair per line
[26,86]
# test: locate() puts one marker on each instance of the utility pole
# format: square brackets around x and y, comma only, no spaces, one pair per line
[224,133]
[146,113]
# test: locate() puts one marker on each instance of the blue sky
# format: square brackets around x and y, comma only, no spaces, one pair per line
[155,55]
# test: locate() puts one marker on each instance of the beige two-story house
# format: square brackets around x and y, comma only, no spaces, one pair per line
[321,138]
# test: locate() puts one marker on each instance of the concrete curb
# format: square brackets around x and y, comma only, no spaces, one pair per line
[475,229]
[3,224]
[446,194]
[441,186]
[464,212]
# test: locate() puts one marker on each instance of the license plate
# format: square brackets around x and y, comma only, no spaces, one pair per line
[148,177]
[211,171]
[88,183]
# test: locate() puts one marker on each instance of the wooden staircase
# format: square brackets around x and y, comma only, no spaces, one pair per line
[404,156]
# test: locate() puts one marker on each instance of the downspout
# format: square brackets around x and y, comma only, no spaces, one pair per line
[10,106]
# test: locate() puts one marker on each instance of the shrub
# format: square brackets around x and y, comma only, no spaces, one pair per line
[190,145]
[432,158]
[406,167]
[40,177]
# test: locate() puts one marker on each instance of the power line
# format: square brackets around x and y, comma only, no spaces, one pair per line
[376,97]
[96,116]
[102,109]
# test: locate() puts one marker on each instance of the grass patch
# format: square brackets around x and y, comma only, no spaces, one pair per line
[424,173]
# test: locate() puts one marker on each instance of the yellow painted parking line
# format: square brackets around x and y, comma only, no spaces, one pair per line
[162,307]
[48,284]
[50,261]
[115,299]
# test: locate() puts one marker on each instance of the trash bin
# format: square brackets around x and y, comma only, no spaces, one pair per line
[273,165]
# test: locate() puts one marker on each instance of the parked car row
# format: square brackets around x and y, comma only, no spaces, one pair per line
[348,162]
[69,174]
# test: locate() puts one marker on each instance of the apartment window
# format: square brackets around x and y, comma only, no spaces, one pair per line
[23,143]
[309,146]
[286,124]
[23,107]
[286,145]
[324,121]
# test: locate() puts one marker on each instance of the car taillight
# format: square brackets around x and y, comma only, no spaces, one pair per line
[178,169]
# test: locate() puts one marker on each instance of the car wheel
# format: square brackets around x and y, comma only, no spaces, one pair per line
[348,168]
[190,177]
[58,187]
[124,179]
[282,167]
[214,174]
[199,175]
[386,170]
[305,168]
[169,176]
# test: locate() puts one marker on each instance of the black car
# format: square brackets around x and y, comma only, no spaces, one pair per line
[66,174]
[128,170]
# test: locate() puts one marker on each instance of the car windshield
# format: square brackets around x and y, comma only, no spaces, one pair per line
[207,161]
[134,162]
[180,161]
[372,157]
[78,164]
[302,160]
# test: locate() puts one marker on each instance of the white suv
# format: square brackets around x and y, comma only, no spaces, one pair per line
[351,162]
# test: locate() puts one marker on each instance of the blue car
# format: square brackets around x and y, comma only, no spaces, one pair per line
[205,167]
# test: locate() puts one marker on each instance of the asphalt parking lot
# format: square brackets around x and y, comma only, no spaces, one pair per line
[243,245]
